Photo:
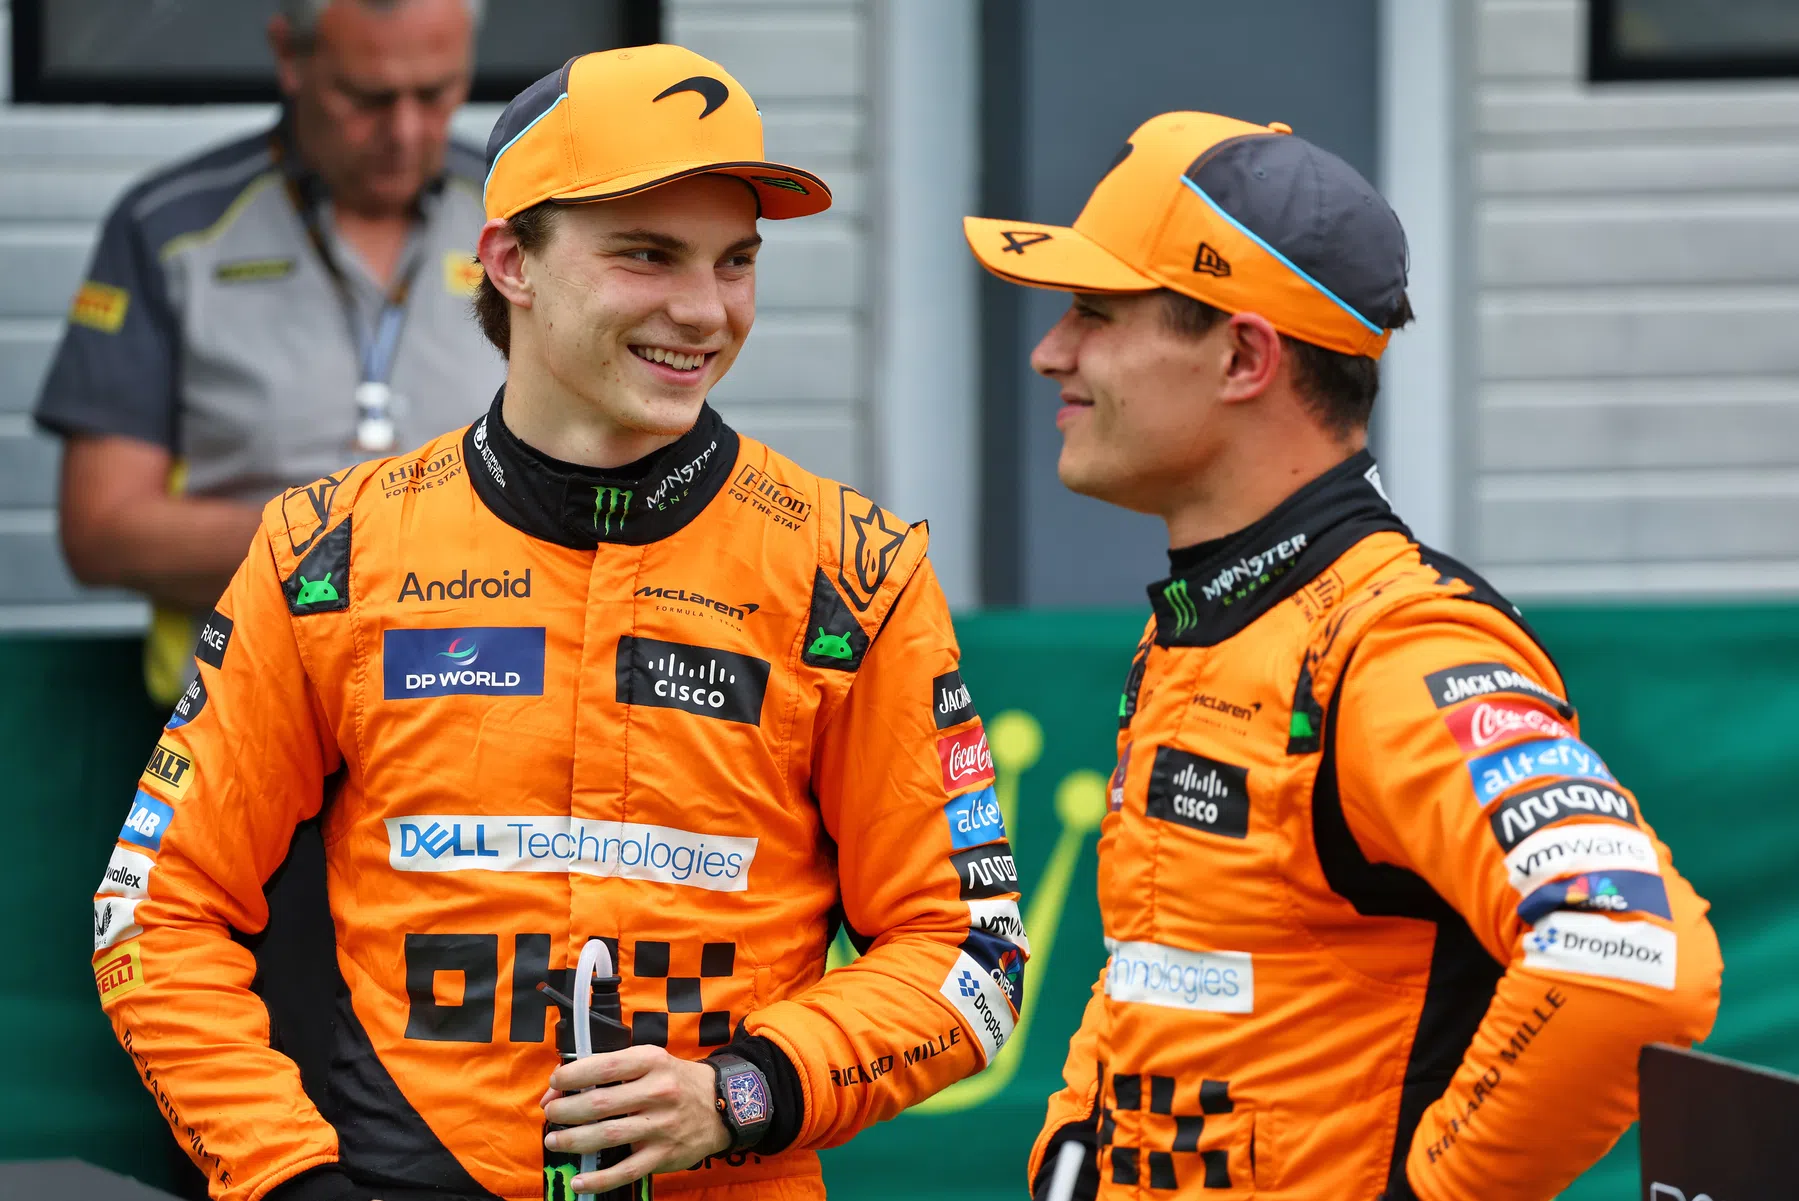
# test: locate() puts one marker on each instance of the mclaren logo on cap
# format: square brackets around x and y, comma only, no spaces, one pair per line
[1018,239]
[714,91]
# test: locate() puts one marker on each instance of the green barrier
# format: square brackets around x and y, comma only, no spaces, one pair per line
[1692,707]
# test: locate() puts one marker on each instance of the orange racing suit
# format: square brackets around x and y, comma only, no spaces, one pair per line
[706,710]
[1381,925]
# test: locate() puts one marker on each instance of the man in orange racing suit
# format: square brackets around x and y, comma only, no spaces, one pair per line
[1380,924]
[594,667]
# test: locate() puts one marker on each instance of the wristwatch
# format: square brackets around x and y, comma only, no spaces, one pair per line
[744,1105]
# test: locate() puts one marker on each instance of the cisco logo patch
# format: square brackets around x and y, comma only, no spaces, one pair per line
[695,679]
[1199,793]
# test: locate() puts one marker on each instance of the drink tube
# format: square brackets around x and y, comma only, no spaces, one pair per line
[590,1023]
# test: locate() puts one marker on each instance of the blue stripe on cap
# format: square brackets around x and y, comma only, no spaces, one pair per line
[1283,259]
[527,129]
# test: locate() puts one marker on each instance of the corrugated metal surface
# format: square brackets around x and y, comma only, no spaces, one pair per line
[1637,303]
[801,383]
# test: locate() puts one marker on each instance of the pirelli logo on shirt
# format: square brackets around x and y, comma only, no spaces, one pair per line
[100,306]
[121,973]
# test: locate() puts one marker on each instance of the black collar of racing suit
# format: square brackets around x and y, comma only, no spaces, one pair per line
[581,507]
[1219,587]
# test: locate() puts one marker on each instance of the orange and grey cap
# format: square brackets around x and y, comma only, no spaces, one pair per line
[617,122]
[1246,218]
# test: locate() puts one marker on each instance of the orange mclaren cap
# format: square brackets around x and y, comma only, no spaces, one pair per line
[1241,217]
[615,122]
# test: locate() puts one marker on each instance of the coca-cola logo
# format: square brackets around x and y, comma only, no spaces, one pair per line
[966,760]
[1479,726]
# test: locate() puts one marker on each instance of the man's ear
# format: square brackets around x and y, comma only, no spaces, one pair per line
[503,259]
[1256,353]
[287,57]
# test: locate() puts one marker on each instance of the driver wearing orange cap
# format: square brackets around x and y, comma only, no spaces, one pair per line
[1381,924]
[595,667]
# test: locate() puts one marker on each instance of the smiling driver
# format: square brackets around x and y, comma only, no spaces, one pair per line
[594,667]
[1380,924]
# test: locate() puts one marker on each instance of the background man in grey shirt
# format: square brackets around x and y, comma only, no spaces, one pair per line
[240,304]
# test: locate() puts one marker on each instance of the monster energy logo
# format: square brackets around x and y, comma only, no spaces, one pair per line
[608,504]
[559,1182]
[1186,613]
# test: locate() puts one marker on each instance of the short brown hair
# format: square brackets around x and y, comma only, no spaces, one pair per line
[1339,388]
[532,227]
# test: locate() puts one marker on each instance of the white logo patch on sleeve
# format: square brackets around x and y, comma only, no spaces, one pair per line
[1567,850]
[1591,944]
[115,920]
[127,874]
[980,1000]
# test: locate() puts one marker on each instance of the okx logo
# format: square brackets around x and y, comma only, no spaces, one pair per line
[1180,603]
[611,507]
[477,661]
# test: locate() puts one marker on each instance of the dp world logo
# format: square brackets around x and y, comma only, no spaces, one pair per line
[427,663]
[462,652]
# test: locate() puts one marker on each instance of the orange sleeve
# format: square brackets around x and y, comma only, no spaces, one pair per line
[1459,762]
[929,891]
[243,762]
[1073,1110]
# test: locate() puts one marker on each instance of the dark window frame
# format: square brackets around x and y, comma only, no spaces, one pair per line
[1606,65]
[643,25]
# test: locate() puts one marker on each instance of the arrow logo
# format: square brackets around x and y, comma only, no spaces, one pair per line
[713,90]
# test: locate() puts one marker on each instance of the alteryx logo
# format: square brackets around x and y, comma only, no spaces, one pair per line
[427,663]
[1505,770]
[974,818]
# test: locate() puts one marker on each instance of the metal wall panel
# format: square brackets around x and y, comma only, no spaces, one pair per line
[1636,404]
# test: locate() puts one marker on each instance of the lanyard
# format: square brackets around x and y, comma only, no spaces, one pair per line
[377,346]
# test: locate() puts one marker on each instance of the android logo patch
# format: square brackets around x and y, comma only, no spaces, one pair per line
[315,592]
[831,646]
[320,582]
[833,638]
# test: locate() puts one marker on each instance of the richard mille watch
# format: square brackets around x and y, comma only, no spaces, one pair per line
[743,1101]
